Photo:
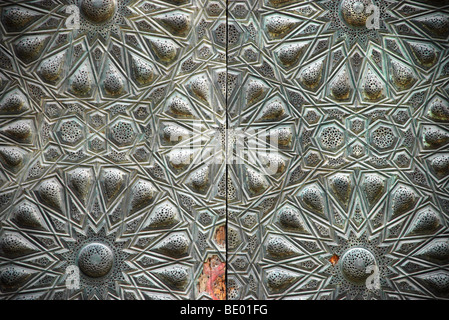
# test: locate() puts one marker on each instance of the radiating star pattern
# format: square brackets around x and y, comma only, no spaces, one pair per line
[117,139]
[362,179]
[91,174]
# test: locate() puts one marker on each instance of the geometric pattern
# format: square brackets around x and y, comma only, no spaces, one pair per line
[120,125]
[90,176]
[364,160]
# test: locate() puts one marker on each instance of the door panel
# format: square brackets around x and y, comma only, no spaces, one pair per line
[194,149]
[105,190]
[357,93]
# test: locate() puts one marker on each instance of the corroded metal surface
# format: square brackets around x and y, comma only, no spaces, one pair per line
[363,110]
[115,119]
[94,96]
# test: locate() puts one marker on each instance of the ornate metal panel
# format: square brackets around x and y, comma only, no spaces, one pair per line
[357,92]
[97,203]
[119,179]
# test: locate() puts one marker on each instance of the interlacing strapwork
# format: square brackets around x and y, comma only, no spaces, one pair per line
[97,200]
[358,91]
[195,149]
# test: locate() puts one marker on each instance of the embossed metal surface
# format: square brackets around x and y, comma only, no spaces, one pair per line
[90,180]
[94,181]
[363,114]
